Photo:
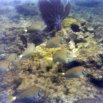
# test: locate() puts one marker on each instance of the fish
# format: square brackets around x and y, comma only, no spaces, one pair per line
[54,12]
[54,42]
[75,72]
[62,56]
[29,92]
[30,95]
[28,51]
[36,25]
[5,98]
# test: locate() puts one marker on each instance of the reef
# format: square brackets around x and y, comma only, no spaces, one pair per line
[37,67]
[58,66]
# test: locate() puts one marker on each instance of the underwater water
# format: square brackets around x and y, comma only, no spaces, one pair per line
[51,51]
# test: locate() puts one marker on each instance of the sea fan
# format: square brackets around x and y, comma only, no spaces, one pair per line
[53,12]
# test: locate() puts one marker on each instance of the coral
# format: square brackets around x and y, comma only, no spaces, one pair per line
[58,10]
[89,49]
[41,52]
[56,65]
[68,21]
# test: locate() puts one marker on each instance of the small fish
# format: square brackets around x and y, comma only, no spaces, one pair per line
[27,94]
[10,99]
[61,56]
[36,25]
[5,98]
[54,42]
[28,51]
[75,72]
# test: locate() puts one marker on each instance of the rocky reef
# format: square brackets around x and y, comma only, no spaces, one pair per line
[58,66]
[40,68]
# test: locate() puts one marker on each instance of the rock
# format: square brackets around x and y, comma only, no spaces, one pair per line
[5,66]
[68,21]
[2,48]
[90,29]
[73,90]
[89,100]
[36,36]
[12,57]
[75,28]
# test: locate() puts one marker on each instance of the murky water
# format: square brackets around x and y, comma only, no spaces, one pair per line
[51,55]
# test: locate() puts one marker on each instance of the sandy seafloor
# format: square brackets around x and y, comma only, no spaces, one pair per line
[17,24]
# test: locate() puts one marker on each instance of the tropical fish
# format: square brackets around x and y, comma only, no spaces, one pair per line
[36,25]
[30,95]
[28,51]
[54,42]
[62,56]
[75,72]
[53,12]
